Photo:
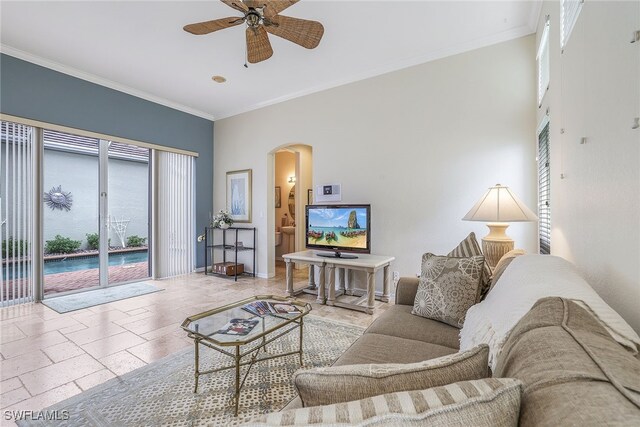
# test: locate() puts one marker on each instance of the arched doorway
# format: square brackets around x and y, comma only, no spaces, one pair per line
[294,184]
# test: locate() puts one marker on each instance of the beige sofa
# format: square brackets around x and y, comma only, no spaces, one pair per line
[573,372]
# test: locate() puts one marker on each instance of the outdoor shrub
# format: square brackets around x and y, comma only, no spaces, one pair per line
[9,245]
[61,245]
[136,240]
[93,241]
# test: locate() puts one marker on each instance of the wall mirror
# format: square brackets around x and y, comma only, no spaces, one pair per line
[292,203]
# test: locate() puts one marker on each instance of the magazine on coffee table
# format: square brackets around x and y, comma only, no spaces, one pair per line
[257,308]
[238,327]
[283,308]
[263,308]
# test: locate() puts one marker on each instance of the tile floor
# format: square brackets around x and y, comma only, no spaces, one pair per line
[46,357]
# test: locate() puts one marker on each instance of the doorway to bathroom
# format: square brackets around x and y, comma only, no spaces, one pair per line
[292,183]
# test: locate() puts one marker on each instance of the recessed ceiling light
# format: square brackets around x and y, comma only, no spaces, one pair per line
[218,79]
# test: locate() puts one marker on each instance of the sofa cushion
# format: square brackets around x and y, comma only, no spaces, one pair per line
[448,287]
[488,402]
[398,321]
[406,290]
[467,248]
[376,348]
[572,370]
[335,384]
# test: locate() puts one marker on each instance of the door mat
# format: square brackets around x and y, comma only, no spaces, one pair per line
[78,301]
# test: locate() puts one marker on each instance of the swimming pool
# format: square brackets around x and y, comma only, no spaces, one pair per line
[66,265]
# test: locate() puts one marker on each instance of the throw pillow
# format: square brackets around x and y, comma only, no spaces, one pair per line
[502,265]
[448,288]
[470,247]
[490,402]
[325,386]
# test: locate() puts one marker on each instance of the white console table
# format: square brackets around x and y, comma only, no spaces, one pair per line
[326,289]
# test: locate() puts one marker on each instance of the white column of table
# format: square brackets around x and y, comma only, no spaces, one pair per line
[306,257]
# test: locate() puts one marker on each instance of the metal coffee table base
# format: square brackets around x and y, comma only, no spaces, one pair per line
[238,356]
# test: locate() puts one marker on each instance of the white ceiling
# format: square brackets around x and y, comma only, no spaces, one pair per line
[140,47]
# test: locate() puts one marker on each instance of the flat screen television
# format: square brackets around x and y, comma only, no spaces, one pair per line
[339,228]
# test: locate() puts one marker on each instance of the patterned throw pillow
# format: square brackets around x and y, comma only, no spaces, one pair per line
[335,384]
[448,288]
[490,402]
[470,247]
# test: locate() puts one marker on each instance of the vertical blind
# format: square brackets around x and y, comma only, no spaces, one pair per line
[175,235]
[569,11]
[16,212]
[544,192]
[543,62]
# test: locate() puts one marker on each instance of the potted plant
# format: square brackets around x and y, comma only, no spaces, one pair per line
[222,220]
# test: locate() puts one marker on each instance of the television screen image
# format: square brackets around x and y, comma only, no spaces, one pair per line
[339,227]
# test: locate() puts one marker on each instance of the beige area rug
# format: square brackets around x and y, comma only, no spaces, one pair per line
[161,393]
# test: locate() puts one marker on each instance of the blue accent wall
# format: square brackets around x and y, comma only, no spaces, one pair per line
[38,93]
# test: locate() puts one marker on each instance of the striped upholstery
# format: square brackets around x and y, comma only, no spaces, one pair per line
[486,402]
[467,248]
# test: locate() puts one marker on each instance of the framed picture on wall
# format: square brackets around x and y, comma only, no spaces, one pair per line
[278,198]
[239,195]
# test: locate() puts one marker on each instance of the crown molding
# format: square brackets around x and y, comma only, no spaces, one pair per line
[74,72]
[504,36]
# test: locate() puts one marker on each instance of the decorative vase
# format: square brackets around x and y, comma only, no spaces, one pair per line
[224,225]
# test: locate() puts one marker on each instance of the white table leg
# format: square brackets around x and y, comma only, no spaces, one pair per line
[289,265]
[341,279]
[385,284]
[321,285]
[371,291]
[349,284]
[331,284]
[312,270]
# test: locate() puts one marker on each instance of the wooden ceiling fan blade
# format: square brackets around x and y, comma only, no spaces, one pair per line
[299,31]
[274,7]
[258,46]
[254,3]
[207,27]
[236,4]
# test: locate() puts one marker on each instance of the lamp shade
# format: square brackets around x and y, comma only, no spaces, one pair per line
[499,204]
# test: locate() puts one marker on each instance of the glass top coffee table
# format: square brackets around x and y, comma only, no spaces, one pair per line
[229,328]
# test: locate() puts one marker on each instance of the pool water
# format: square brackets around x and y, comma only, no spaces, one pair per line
[66,265]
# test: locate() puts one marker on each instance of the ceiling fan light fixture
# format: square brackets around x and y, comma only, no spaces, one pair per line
[218,79]
[262,18]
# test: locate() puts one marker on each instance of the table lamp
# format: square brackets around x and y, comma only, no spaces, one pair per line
[497,207]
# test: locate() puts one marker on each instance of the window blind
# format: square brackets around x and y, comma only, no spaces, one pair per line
[543,63]
[176,238]
[544,191]
[569,11]
[16,213]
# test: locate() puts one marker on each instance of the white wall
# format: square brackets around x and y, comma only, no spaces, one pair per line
[594,92]
[421,145]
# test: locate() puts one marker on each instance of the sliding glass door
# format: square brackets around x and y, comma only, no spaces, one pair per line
[128,212]
[96,212]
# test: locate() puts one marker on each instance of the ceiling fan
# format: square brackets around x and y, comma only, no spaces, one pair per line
[262,17]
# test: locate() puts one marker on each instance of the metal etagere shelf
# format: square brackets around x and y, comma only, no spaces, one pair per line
[232,243]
